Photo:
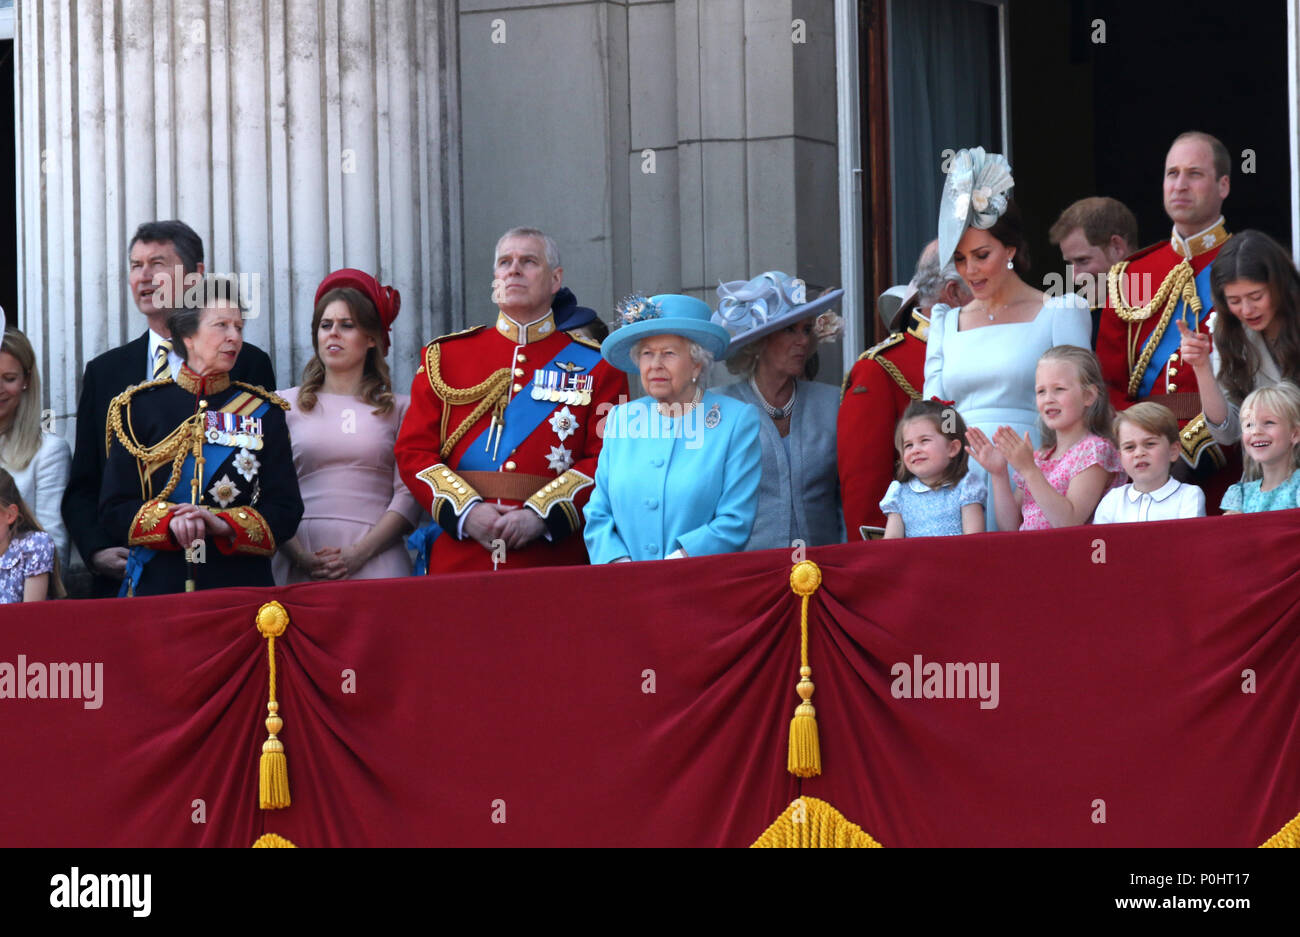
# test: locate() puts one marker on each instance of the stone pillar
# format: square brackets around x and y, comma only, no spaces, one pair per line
[295,137]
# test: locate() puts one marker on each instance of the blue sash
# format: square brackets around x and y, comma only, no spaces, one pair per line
[1170,341]
[522,416]
[213,454]
[421,541]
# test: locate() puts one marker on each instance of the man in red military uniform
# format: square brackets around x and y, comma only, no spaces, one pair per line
[885,379]
[501,438]
[1137,340]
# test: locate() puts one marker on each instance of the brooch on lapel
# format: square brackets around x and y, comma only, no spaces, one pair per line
[713,417]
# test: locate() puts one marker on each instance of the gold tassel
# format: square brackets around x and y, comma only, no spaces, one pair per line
[273,841]
[273,771]
[805,756]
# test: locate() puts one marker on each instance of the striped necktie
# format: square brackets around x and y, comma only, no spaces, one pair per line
[160,368]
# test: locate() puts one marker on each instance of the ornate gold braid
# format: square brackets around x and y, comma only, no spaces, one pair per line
[487,393]
[892,370]
[271,396]
[175,447]
[1180,284]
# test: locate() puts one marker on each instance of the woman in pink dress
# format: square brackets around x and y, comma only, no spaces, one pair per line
[343,423]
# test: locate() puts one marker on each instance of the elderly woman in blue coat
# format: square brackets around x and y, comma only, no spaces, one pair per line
[679,468]
[774,335]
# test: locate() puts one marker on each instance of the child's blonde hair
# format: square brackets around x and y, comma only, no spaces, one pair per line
[1283,398]
[26,523]
[1100,416]
[948,424]
[1153,417]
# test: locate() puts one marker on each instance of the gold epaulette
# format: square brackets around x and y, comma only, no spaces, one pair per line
[469,331]
[584,340]
[179,443]
[269,395]
[893,339]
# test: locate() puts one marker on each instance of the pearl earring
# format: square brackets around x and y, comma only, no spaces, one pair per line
[1011,265]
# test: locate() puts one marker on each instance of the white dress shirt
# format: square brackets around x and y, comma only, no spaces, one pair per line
[173,360]
[1172,500]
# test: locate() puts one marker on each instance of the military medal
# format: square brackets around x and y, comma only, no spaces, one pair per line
[564,423]
[713,417]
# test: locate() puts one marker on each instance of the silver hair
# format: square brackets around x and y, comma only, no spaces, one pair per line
[699,355]
[930,280]
[552,249]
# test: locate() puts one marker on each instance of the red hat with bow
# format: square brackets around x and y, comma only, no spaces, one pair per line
[387,301]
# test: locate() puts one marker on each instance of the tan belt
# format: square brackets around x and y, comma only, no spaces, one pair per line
[1184,406]
[508,486]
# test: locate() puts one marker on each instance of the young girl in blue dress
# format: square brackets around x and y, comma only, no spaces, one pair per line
[935,495]
[28,567]
[1270,439]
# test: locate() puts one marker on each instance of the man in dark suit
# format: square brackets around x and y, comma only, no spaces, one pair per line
[162,255]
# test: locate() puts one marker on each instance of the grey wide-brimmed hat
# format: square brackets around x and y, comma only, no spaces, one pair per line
[752,309]
[975,195]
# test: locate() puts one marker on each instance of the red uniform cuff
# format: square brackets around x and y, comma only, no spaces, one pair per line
[151,527]
[252,534]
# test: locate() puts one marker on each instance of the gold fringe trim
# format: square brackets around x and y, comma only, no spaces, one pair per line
[273,768]
[273,841]
[804,759]
[1286,838]
[812,823]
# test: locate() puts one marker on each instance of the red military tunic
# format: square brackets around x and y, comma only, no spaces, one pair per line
[878,389]
[1137,344]
[467,380]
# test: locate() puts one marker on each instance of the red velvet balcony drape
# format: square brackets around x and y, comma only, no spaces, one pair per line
[522,697]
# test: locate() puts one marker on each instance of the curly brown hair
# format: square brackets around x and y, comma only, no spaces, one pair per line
[376,381]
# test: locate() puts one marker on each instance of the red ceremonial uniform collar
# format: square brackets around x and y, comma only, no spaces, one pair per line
[525,335]
[1201,242]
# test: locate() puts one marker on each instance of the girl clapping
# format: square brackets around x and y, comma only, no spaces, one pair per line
[1060,485]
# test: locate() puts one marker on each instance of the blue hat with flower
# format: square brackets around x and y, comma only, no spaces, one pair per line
[752,309]
[975,195]
[666,314]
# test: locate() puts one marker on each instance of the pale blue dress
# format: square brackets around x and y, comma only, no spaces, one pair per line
[932,512]
[1246,497]
[988,372]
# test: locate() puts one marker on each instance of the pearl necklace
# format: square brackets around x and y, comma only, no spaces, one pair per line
[776,413]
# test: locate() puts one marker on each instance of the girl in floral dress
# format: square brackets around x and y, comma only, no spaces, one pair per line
[1060,484]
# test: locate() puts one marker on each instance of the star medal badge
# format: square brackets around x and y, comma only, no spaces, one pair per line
[246,464]
[224,491]
[713,417]
[564,423]
[561,460]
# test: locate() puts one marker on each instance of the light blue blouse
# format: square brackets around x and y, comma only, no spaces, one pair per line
[988,372]
[932,512]
[1246,497]
[664,484]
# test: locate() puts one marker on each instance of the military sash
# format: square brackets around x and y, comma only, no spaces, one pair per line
[571,369]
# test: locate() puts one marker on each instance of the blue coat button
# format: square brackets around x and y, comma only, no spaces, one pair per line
[652,503]
[652,548]
[657,463]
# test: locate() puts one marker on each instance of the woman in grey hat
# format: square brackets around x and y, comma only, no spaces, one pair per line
[774,332]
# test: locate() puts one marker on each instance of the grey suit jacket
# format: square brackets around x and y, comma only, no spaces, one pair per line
[799,495]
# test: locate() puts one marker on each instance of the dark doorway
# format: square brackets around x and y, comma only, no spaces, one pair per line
[8,187]
[1096,118]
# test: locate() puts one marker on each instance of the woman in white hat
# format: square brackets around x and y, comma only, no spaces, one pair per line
[679,467]
[982,356]
[774,334]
